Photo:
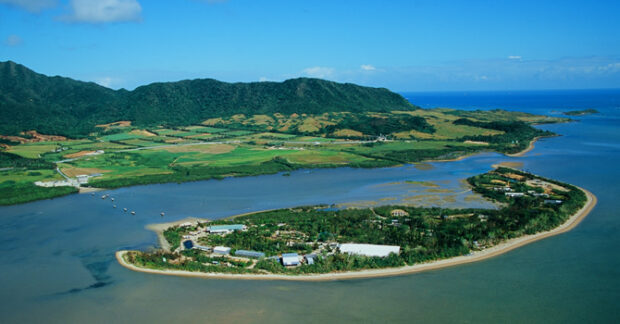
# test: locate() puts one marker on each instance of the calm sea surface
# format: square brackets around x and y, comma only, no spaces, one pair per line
[57,256]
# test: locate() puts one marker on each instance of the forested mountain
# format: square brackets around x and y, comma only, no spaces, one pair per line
[63,106]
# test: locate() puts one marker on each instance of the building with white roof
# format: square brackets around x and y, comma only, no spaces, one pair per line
[221,250]
[290,259]
[370,250]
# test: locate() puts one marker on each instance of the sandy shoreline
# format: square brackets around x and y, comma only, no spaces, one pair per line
[89,189]
[529,148]
[496,250]
[161,227]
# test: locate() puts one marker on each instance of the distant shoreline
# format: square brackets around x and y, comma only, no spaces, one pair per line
[496,250]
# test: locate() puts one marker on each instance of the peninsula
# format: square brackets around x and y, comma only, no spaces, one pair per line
[59,136]
[318,243]
[581,112]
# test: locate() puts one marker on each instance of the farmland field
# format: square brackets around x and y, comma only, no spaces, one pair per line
[250,145]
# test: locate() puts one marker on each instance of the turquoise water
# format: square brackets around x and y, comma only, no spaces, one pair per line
[57,256]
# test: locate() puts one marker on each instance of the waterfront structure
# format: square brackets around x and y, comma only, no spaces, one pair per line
[221,250]
[514,194]
[290,259]
[250,254]
[216,229]
[370,250]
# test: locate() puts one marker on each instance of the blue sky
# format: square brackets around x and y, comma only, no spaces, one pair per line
[401,45]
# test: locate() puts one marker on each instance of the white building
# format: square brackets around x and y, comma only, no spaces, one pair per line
[82,178]
[290,259]
[225,229]
[58,183]
[369,249]
[221,250]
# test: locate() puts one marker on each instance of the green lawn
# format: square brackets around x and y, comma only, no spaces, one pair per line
[120,137]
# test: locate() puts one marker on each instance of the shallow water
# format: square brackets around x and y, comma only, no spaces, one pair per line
[57,256]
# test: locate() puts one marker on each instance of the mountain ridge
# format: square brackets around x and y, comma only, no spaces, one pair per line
[64,106]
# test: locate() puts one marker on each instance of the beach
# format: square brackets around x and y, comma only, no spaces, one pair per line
[529,148]
[493,251]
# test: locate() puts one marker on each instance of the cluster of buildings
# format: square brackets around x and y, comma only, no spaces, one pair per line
[510,193]
[68,182]
[535,194]
[287,259]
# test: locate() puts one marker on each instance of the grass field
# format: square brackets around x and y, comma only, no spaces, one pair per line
[120,137]
[261,144]
[12,177]
[33,150]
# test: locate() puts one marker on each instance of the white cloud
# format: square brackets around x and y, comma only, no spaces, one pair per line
[31,5]
[13,40]
[318,72]
[107,82]
[104,11]
[367,67]
[514,57]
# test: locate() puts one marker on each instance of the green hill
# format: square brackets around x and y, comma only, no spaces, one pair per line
[63,106]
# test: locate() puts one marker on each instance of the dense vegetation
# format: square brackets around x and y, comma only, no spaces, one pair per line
[424,234]
[9,160]
[375,126]
[16,193]
[62,106]
[516,137]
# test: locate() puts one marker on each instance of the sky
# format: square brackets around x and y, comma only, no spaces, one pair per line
[401,45]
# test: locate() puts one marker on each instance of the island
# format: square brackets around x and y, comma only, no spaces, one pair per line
[60,136]
[581,112]
[326,243]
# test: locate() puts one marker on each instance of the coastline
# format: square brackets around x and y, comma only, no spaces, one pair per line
[496,250]
[529,148]
[159,229]
[83,190]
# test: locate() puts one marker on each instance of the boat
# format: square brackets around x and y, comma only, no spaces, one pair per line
[112,199]
[124,209]
[133,212]
[114,206]
[162,214]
